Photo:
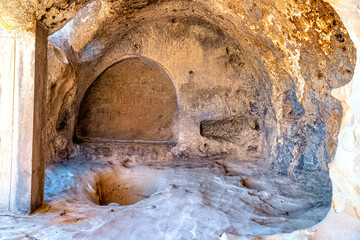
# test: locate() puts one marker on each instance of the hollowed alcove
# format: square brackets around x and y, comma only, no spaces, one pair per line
[132,100]
[252,132]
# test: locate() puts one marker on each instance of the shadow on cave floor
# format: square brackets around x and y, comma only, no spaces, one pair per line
[93,200]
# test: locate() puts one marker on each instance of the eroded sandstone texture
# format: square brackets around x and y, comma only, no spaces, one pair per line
[252,79]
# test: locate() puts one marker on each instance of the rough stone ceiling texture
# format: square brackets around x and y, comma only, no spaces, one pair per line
[54,14]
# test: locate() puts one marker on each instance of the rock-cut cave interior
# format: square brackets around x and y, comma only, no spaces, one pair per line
[180,119]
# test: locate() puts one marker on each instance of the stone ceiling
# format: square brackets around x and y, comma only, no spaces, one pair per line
[53,13]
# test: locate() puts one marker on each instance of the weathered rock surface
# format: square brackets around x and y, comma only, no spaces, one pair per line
[221,72]
[61,89]
[54,14]
[230,62]
[173,202]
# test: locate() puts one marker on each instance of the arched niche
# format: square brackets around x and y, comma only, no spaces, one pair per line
[132,100]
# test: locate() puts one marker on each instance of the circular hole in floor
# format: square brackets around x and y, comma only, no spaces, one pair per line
[122,186]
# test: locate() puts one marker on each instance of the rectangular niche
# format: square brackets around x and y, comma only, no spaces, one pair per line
[243,131]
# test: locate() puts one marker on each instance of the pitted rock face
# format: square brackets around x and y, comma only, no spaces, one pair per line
[232,63]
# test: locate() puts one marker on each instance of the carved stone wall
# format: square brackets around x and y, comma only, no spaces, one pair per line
[131,100]
[23,65]
[246,85]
